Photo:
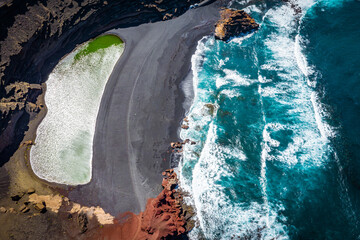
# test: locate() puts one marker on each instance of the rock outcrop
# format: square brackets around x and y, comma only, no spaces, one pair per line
[165,217]
[17,103]
[234,23]
[28,213]
[17,97]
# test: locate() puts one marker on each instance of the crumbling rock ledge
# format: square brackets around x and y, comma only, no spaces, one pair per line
[18,104]
[165,217]
[234,23]
[17,97]
[29,215]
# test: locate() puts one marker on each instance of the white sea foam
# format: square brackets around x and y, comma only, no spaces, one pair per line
[196,62]
[252,9]
[300,117]
[292,92]
[227,220]
[325,129]
[63,150]
[233,75]
[222,62]
[301,61]
[231,93]
[263,79]
[239,40]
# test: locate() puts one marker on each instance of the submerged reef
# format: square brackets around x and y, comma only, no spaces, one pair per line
[234,23]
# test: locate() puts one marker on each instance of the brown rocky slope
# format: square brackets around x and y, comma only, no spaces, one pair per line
[165,217]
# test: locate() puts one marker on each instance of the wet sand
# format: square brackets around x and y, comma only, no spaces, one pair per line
[141,111]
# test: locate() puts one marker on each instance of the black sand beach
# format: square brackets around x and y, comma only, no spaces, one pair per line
[141,111]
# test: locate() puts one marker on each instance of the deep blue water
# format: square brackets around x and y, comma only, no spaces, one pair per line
[276,121]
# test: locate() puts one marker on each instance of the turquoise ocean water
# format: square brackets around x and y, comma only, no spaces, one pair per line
[276,120]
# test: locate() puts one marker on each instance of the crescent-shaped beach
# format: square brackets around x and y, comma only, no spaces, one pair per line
[141,111]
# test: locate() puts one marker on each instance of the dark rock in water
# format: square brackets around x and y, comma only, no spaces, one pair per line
[234,23]
[184,126]
[210,107]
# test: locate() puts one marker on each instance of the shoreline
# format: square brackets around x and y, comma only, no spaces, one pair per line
[23,155]
[30,57]
[183,65]
[21,158]
[63,149]
[154,109]
[141,111]
[153,113]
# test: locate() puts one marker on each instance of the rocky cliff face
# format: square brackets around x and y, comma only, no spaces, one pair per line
[36,34]
[165,217]
[29,215]
[234,23]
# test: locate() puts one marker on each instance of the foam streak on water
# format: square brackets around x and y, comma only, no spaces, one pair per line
[263,142]
[63,150]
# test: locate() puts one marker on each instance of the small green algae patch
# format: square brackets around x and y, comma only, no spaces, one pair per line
[98,43]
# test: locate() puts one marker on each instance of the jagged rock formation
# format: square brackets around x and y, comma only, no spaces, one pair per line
[17,98]
[165,217]
[19,101]
[52,214]
[35,35]
[233,23]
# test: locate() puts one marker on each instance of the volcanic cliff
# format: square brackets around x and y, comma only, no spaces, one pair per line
[165,217]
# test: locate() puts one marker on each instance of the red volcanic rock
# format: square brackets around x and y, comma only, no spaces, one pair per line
[163,217]
[233,23]
[184,126]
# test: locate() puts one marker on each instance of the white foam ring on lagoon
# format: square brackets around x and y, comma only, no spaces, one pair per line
[63,150]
